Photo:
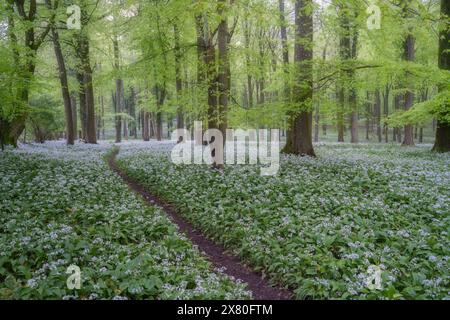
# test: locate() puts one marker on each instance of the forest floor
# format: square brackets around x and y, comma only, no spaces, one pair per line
[215,253]
[320,225]
[317,227]
[63,206]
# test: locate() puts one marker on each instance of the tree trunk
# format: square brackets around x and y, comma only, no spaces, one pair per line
[73,103]
[145,128]
[247,31]
[368,115]
[386,112]
[125,129]
[119,109]
[285,50]
[99,120]
[70,134]
[178,78]
[377,110]
[340,114]
[316,125]
[160,94]
[206,70]
[151,125]
[82,98]
[119,98]
[224,67]
[91,136]
[84,77]
[352,99]
[409,55]
[132,104]
[261,81]
[442,142]
[397,106]
[103,117]
[301,121]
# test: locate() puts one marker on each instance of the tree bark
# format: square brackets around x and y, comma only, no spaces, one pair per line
[285,50]
[408,55]
[160,93]
[340,114]
[442,141]
[178,78]
[377,110]
[207,62]
[386,112]
[352,98]
[119,97]
[82,98]
[224,67]
[73,103]
[70,134]
[368,115]
[247,33]
[316,124]
[84,68]
[301,121]
[145,128]
[398,106]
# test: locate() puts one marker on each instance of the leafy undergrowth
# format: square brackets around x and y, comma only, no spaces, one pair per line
[62,205]
[321,223]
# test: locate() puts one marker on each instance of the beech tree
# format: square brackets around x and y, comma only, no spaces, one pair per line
[24,62]
[237,64]
[300,134]
[442,142]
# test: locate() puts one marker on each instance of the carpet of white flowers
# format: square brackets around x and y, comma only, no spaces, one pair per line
[321,223]
[62,205]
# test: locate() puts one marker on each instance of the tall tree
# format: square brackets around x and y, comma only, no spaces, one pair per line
[442,142]
[300,141]
[25,63]
[377,111]
[82,98]
[119,99]
[223,39]
[82,48]
[70,133]
[208,73]
[386,93]
[408,55]
[348,45]
[178,77]
[247,34]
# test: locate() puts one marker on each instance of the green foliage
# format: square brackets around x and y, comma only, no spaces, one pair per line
[320,223]
[438,107]
[62,206]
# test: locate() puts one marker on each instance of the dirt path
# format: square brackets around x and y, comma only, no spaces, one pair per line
[215,253]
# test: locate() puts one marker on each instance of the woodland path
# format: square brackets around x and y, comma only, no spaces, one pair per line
[215,253]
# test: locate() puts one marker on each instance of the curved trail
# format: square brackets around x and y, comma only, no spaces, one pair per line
[215,253]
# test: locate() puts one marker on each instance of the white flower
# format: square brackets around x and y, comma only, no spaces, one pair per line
[32,283]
